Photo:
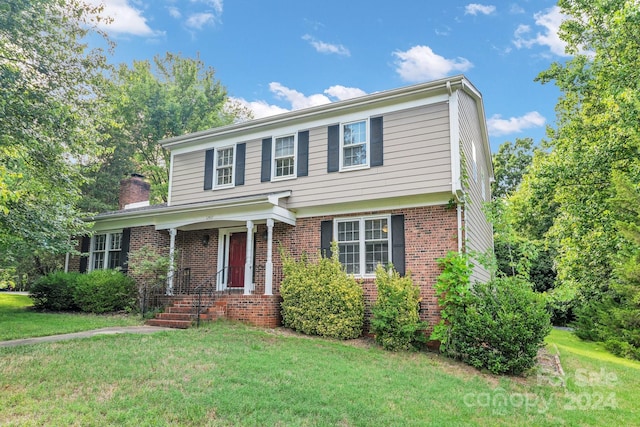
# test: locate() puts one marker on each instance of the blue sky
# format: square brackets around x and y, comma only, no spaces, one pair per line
[280,55]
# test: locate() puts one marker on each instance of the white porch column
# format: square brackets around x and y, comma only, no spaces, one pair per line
[172,252]
[268,267]
[248,265]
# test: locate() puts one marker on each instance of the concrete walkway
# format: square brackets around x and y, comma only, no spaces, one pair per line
[86,334]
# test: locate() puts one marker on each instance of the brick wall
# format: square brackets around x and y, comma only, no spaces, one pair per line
[132,190]
[430,232]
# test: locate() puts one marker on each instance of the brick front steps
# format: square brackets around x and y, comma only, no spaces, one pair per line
[181,314]
[258,310]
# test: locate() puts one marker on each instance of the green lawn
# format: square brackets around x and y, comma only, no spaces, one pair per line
[17,320]
[228,374]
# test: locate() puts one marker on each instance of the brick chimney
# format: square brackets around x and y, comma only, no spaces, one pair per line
[134,192]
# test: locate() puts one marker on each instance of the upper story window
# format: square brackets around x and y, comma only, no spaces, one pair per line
[284,157]
[105,250]
[363,243]
[354,145]
[224,167]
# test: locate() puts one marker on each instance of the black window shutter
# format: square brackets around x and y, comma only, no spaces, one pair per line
[377,151]
[326,235]
[333,149]
[124,249]
[84,248]
[241,153]
[208,169]
[303,153]
[266,160]
[397,243]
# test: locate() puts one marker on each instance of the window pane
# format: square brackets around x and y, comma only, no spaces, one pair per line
[98,260]
[350,257]
[376,253]
[114,259]
[284,146]
[355,133]
[284,167]
[225,157]
[376,229]
[99,242]
[356,155]
[223,176]
[348,231]
[116,242]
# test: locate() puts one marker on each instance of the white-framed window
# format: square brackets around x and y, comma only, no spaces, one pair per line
[364,243]
[105,250]
[284,157]
[224,161]
[354,145]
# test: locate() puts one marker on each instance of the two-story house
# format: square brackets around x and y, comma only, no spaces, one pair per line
[396,176]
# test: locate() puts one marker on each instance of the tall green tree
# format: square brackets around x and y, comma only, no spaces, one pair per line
[597,136]
[151,101]
[510,163]
[49,83]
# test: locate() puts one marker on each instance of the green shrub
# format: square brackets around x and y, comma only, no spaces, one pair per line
[396,319]
[561,302]
[103,291]
[504,325]
[499,325]
[320,298]
[55,291]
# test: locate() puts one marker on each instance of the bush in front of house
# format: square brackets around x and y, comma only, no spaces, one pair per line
[55,291]
[320,298]
[396,318]
[499,325]
[104,291]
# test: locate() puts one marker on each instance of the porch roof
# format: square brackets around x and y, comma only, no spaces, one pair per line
[211,214]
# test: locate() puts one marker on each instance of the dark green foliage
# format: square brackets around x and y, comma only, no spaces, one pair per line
[55,292]
[503,327]
[319,298]
[561,303]
[104,291]
[499,325]
[396,319]
[452,286]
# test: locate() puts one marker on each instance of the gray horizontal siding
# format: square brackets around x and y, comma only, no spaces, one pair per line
[416,161]
[478,231]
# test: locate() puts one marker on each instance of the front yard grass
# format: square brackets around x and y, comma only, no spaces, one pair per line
[18,320]
[226,374]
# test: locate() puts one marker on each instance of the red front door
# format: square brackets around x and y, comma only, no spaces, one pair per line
[237,257]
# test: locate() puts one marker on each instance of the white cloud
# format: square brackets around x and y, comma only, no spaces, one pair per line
[125,19]
[498,126]
[298,100]
[323,47]
[341,92]
[260,108]
[174,12]
[198,20]
[420,63]
[475,8]
[216,4]
[550,20]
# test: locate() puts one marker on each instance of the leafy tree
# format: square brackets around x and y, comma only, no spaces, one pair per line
[568,197]
[148,102]
[47,105]
[510,163]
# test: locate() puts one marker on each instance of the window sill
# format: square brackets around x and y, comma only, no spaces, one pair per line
[354,168]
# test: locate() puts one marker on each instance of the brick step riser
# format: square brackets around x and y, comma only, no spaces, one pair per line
[175,316]
[178,324]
